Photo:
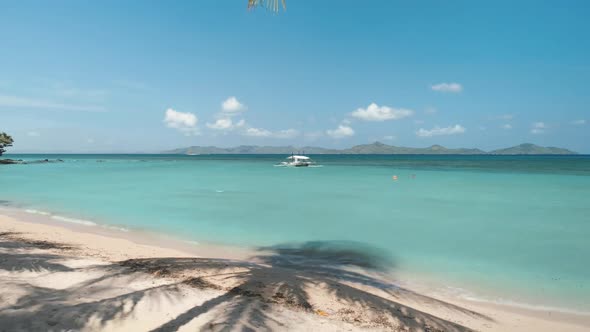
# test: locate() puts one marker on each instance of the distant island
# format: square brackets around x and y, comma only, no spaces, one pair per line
[373,148]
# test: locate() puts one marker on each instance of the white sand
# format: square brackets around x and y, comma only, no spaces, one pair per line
[56,278]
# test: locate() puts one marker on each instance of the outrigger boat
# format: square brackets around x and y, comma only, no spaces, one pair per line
[297,161]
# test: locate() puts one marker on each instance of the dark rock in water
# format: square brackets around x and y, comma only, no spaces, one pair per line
[12,162]
[41,161]
[9,161]
[22,162]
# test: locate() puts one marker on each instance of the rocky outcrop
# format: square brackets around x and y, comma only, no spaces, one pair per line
[22,162]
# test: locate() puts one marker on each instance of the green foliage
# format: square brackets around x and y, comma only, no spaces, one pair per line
[5,141]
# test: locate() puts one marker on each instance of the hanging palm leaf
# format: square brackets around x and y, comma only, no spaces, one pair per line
[269,4]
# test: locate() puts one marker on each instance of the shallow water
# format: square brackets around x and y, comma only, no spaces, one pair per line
[503,228]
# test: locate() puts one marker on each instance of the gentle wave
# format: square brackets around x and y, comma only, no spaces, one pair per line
[122,229]
[32,211]
[469,296]
[74,220]
[530,306]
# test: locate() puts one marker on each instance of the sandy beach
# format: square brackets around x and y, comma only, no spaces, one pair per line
[57,277]
[284,165]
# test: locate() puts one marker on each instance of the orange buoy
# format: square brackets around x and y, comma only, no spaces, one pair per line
[395,178]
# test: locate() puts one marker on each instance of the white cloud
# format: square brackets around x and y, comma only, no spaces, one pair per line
[232,106]
[437,131]
[418,121]
[240,123]
[389,137]
[20,102]
[340,132]
[506,117]
[579,122]
[33,134]
[258,132]
[447,87]
[229,108]
[381,113]
[287,133]
[507,126]
[538,128]
[226,124]
[221,124]
[182,121]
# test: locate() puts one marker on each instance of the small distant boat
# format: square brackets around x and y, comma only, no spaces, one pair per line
[297,161]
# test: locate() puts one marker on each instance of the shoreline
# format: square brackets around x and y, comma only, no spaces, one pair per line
[115,245]
[425,282]
[138,236]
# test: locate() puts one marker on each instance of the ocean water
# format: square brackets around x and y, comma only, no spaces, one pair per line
[512,229]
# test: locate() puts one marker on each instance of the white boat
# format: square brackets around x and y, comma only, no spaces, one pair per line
[297,161]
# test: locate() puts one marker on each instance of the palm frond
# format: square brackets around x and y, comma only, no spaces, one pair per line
[268,4]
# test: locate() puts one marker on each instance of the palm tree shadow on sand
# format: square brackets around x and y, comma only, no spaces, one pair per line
[351,274]
[342,281]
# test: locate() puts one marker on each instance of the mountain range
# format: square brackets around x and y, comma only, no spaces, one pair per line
[373,148]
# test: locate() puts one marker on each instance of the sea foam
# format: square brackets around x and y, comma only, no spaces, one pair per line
[74,220]
[470,296]
[33,211]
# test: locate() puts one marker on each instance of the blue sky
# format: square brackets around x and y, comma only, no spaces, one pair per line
[139,76]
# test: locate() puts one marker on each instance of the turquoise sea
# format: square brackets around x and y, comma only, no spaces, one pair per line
[500,228]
